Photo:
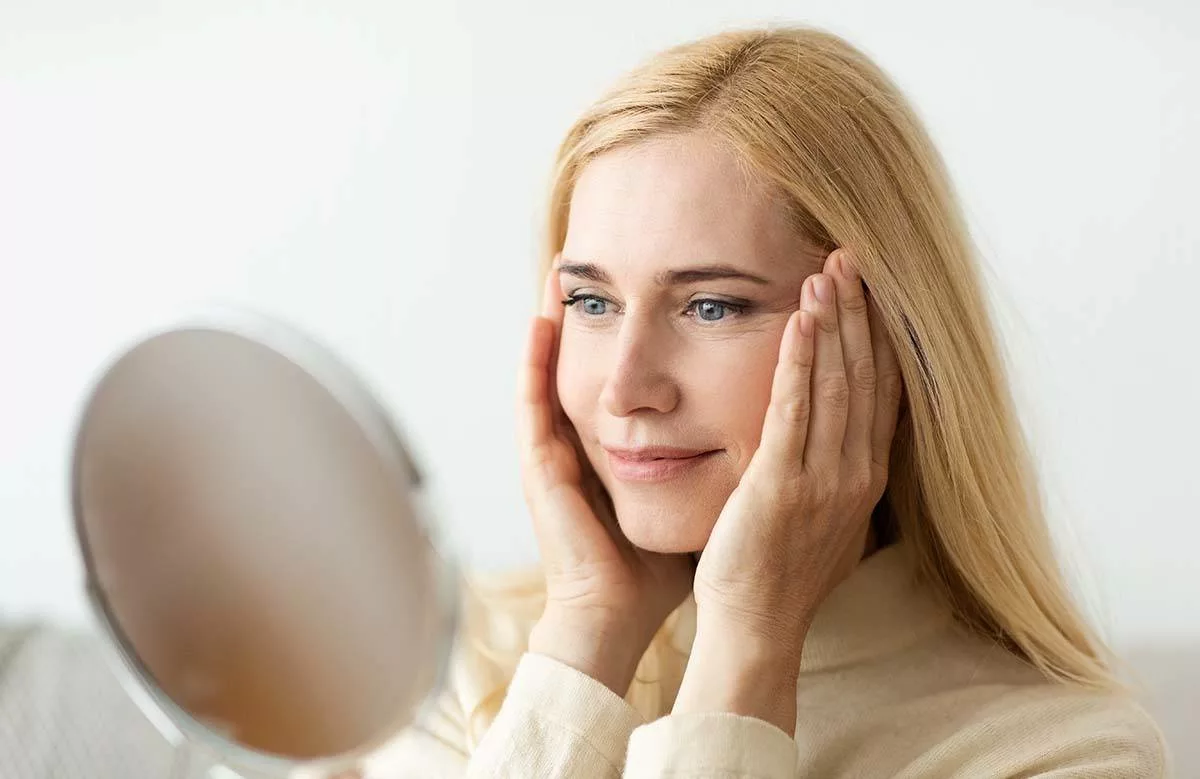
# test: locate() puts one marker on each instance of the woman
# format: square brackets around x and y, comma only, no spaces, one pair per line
[787,522]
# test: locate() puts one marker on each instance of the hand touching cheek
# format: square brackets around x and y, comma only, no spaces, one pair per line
[803,505]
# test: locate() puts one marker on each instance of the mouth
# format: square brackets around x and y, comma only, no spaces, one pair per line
[656,463]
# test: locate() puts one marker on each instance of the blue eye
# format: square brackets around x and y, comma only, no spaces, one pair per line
[592,305]
[705,310]
[713,310]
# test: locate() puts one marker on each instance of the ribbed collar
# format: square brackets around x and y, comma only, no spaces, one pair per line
[880,608]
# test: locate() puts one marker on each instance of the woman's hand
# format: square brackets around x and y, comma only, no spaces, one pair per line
[796,523]
[605,598]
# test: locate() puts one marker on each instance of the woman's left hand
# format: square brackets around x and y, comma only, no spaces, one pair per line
[795,524]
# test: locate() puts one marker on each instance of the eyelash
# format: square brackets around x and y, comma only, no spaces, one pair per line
[733,308]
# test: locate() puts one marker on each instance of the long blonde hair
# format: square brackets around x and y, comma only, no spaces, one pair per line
[808,113]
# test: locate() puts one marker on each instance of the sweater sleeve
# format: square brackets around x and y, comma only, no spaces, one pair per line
[555,721]
[710,744]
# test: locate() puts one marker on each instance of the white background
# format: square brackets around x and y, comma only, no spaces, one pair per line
[375,173]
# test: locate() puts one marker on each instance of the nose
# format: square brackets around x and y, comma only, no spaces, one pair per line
[640,376]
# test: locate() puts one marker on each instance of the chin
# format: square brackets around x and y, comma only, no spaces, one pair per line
[660,529]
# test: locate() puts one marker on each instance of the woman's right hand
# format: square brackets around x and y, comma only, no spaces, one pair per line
[605,599]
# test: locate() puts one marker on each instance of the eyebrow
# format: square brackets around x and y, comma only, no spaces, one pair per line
[590,271]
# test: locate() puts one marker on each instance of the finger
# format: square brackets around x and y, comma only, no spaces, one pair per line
[786,426]
[857,354]
[830,393]
[552,307]
[552,310]
[536,389]
[889,389]
[537,420]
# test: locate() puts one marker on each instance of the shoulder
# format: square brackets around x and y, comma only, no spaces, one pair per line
[1008,712]
[1052,726]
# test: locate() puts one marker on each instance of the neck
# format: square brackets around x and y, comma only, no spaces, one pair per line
[871,544]
[865,544]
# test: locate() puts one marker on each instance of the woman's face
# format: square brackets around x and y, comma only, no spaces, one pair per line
[683,274]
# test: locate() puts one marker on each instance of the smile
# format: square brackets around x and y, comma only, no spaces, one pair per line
[640,466]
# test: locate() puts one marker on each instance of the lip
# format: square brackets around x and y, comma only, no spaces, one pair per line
[655,463]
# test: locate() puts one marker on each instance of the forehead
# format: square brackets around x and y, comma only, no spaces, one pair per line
[677,201]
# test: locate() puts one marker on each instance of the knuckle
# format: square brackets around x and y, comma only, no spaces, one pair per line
[834,391]
[859,482]
[795,408]
[827,320]
[861,371]
[891,385]
[822,488]
[854,303]
[540,461]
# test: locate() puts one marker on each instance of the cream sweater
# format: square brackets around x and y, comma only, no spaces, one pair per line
[890,686]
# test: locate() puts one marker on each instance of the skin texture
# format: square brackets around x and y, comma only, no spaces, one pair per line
[655,373]
[793,400]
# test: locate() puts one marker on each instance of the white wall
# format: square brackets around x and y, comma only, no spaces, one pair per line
[374,174]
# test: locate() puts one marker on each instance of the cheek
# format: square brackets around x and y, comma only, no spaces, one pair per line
[731,393]
[579,381]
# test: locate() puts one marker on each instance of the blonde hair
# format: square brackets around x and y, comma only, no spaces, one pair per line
[812,116]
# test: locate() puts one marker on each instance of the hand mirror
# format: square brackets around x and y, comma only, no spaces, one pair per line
[258,550]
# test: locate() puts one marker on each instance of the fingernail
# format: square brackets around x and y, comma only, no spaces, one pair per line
[806,323]
[823,288]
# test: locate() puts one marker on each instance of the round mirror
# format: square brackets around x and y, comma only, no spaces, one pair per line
[257,548]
